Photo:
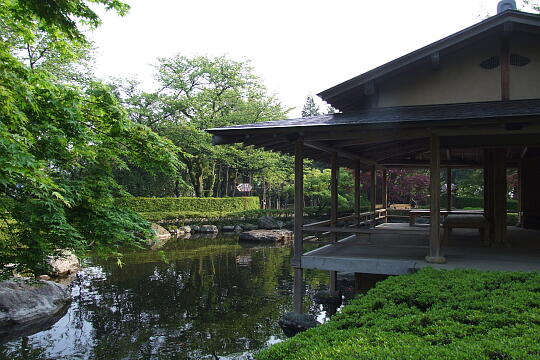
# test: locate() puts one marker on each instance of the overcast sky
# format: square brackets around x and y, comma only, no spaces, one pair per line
[297,47]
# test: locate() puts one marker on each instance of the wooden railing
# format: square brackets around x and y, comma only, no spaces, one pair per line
[352,225]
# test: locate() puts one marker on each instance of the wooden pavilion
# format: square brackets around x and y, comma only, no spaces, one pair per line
[470,100]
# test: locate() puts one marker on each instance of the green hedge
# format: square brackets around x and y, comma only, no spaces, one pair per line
[201,205]
[464,202]
[460,314]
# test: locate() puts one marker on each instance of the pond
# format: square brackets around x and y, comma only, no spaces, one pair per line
[199,298]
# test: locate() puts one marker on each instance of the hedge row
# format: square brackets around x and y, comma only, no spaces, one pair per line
[463,202]
[460,314]
[201,205]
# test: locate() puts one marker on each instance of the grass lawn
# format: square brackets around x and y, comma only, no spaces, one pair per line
[460,314]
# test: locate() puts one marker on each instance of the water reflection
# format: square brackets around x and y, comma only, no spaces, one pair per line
[198,298]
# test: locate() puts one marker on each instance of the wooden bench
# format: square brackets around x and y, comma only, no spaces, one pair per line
[414,214]
[466,221]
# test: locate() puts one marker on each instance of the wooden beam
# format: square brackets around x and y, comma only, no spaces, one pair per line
[434,255]
[505,63]
[340,152]
[298,292]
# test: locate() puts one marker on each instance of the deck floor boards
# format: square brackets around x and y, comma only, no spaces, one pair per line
[399,249]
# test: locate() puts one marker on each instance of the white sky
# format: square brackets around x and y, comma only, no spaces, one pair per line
[297,47]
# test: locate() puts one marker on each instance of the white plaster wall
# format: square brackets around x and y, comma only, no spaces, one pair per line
[459,79]
[525,81]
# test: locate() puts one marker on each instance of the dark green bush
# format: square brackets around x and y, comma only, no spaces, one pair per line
[460,314]
[466,202]
[202,205]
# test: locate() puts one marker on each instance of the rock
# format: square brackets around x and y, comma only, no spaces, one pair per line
[209,229]
[64,264]
[326,297]
[249,227]
[186,229]
[276,236]
[238,228]
[161,232]
[27,304]
[294,323]
[195,228]
[44,277]
[227,228]
[269,223]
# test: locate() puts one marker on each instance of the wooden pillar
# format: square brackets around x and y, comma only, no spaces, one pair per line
[488,190]
[334,176]
[449,188]
[385,192]
[298,292]
[357,199]
[519,193]
[434,255]
[499,195]
[373,194]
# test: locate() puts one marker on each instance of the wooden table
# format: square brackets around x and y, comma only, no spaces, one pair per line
[466,221]
[414,214]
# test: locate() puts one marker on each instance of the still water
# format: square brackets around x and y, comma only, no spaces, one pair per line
[198,298]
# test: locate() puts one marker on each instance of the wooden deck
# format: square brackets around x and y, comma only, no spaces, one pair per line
[395,249]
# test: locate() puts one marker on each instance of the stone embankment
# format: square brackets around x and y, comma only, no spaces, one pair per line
[267,230]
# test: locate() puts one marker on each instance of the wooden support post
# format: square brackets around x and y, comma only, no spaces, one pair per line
[373,195]
[385,193]
[334,176]
[519,193]
[499,195]
[434,255]
[298,292]
[357,202]
[488,191]
[449,188]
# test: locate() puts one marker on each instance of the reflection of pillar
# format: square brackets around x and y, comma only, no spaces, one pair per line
[298,291]
[385,192]
[334,176]
[434,255]
[519,194]
[373,193]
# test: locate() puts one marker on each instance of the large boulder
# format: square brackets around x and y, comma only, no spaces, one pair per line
[185,229]
[269,223]
[161,232]
[63,264]
[249,227]
[28,305]
[228,228]
[265,236]
[294,323]
[209,229]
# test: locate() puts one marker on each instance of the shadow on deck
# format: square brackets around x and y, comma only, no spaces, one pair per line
[395,249]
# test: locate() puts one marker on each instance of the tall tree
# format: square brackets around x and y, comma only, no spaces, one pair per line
[60,142]
[310,107]
[203,92]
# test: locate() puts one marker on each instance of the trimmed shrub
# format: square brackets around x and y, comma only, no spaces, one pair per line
[465,202]
[459,314]
[185,205]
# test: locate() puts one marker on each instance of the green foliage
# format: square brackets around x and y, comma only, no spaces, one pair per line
[60,142]
[193,205]
[474,202]
[460,314]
